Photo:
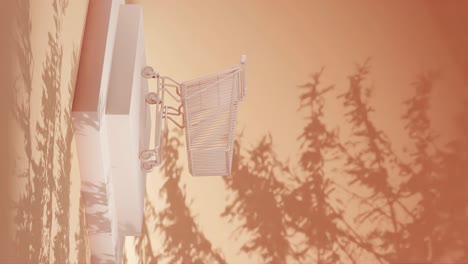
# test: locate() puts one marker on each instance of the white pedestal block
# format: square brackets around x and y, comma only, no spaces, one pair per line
[128,120]
[112,124]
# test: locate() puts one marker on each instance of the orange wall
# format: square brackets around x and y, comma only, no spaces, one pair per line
[285,42]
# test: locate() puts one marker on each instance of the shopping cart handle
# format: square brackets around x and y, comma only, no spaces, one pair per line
[243,59]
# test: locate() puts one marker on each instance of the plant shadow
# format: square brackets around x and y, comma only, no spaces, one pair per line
[43,211]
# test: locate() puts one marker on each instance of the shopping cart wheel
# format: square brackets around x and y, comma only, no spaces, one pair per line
[146,154]
[152,98]
[147,166]
[148,72]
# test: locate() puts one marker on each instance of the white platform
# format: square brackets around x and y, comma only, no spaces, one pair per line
[111,123]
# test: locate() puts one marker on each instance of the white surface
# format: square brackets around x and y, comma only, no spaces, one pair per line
[125,119]
[94,165]
[113,186]
[96,57]
[108,56]
[210,110]
[243,58]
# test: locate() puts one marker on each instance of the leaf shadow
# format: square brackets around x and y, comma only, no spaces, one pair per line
[45,203]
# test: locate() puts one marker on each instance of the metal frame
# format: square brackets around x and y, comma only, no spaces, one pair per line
[151,158]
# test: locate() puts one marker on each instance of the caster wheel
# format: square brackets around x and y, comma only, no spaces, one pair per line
[152,98]
[147,166]
[146,154]
[148,72]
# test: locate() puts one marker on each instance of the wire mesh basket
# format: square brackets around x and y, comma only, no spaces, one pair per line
[210,110]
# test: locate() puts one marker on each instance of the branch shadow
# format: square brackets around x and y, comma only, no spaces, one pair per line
[95,199]
[21,93]
[81,237]
[256,202]
[438,181]
[182,240]
[313,209]
[45,204]
[402,210]
[374,169]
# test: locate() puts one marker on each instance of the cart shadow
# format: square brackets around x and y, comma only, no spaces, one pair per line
[181,239]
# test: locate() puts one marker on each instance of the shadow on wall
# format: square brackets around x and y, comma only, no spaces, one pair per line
[350,199]
[182,241]
[407,210]
[85,121]
[95,197]
[257,202]
[43,212]
[7,68]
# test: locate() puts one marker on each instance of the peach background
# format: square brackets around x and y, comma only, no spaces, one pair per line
[44,55]
[285,43]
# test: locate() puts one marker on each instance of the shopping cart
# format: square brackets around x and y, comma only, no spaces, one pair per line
[208,106]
